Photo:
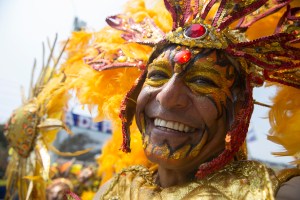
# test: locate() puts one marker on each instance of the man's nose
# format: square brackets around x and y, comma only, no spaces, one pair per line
[174,94]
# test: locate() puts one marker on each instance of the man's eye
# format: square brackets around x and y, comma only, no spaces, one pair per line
[157,75]
[203,81]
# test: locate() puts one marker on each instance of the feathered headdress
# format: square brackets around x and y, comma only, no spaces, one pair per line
[274,58]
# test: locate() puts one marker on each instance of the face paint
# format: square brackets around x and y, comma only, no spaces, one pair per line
[158,73]
[180,108]
[181,153]
[207,78]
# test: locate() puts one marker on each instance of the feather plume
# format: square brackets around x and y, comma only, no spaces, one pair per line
[284,119]
[106,89]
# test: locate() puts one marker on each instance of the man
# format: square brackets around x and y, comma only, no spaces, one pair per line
[193,100]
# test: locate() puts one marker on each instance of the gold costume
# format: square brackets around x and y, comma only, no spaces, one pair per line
[238,180]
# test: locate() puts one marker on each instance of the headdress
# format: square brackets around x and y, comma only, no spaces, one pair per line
[274,58]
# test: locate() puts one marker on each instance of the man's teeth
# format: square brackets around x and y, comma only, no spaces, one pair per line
[173,125]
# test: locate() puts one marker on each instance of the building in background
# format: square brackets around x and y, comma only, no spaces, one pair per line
[86,134]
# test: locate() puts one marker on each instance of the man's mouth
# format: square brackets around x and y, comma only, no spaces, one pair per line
[172,139]
[177,126]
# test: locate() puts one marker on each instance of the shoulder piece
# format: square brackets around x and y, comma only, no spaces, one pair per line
[238,180]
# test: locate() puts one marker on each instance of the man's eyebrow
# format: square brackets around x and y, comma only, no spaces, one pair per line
[160,63]
[204,68]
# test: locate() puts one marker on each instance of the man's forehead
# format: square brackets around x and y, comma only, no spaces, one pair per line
[179,58]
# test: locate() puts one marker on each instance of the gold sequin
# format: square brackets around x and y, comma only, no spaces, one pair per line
[238,180]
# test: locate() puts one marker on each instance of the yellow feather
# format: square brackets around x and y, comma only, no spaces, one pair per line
[106,89]
[284,119]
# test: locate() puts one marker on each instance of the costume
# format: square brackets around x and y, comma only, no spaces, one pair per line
[248,180]
[30,133]
[31,130]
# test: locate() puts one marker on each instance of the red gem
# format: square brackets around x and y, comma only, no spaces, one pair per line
[182,56]
[195,31]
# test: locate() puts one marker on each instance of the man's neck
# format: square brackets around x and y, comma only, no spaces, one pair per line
[169,177]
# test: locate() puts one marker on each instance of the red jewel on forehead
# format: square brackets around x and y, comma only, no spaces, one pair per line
[182,56]
[195,31]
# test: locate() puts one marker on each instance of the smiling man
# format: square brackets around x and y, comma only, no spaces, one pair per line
[185,109]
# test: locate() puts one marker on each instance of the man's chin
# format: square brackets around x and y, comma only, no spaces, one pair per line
[168,162]
[165,155]
[168,149]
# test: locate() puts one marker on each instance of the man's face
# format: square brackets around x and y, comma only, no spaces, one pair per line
[184,110]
